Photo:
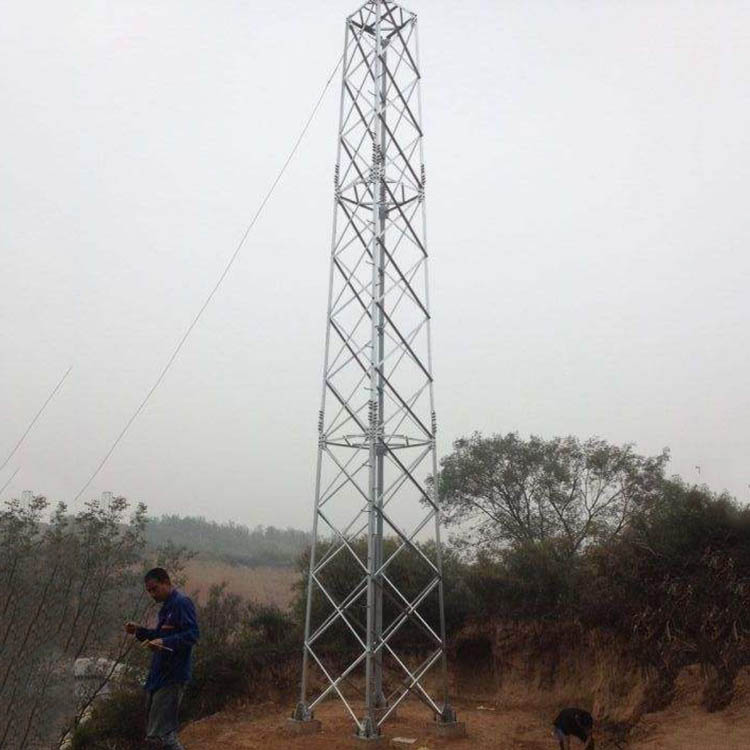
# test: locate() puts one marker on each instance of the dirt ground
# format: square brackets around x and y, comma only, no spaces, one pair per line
[521,724]
[261,727]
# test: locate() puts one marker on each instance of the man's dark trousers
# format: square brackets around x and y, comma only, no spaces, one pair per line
[162,715]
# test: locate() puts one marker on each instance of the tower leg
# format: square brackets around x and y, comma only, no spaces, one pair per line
[446,724]
[370,733]
[302,721]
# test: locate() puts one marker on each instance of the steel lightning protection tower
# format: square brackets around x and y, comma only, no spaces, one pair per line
[375,624]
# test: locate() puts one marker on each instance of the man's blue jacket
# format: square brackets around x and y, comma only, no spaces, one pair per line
[177,626]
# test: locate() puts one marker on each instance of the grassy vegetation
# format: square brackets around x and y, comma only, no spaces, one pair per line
[266,584]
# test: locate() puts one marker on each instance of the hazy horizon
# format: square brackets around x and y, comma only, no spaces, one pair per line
[587,167]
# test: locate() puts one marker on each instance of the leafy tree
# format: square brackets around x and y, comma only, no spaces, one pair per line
[502,490]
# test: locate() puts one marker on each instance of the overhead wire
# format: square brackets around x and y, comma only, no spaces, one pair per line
[36,417]
[215,288]
[10,479]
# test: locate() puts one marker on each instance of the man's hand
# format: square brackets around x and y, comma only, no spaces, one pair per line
[131,627]
[156,645]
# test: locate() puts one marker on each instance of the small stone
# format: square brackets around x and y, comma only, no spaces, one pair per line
[400,741]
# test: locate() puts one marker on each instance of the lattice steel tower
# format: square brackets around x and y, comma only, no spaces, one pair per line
[375,581]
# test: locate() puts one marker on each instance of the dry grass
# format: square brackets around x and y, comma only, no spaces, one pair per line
[266,585]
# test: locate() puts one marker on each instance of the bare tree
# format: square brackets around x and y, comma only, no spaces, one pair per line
[66,582]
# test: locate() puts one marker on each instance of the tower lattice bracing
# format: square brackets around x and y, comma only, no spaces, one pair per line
[375,625]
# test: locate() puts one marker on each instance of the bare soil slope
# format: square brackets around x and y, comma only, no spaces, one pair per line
[512,681]
[542,667]
[683,726]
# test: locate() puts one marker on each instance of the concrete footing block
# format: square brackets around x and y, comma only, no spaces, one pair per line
[447,729]
[309,726]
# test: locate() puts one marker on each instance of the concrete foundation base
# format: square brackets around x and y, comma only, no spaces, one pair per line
[311,726]
[447,729]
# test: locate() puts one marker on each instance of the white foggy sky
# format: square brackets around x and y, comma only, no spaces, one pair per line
[588,173]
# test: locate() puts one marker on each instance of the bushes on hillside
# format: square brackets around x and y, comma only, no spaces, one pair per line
[675,583]
[678,584]
[408,568]
[526,581]
[672,575]
[247,650]
[230,542]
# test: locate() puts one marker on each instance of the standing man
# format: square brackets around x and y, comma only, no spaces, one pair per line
[172,642]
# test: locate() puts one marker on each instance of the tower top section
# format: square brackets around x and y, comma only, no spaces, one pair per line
[394,18]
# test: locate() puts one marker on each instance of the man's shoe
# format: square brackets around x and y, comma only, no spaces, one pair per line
[171,742]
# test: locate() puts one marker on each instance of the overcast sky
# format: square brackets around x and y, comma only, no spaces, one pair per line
[588,180]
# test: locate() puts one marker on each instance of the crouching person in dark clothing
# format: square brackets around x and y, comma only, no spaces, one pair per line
[574,722]
[172,642]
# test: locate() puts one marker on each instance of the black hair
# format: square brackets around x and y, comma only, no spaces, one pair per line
[157,574]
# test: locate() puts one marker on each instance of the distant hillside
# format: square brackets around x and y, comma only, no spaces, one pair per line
[230,542]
